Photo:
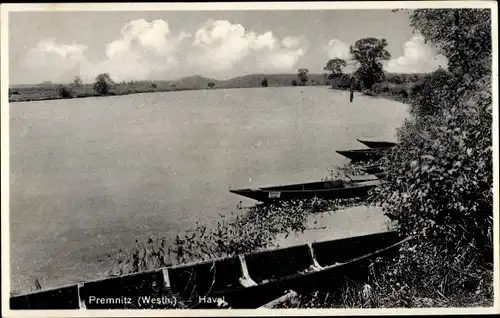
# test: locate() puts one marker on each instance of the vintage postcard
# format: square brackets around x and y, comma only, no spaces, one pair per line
[246,159]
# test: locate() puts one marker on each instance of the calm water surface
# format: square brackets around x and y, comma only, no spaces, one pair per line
[89,176]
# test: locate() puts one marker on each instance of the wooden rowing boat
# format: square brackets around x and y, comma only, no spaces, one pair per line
[358,155]
[241,281]
[377,144]
[372,169]
[375,171]
[323,190]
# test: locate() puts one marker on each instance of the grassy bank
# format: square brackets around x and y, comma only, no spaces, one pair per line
[398,87]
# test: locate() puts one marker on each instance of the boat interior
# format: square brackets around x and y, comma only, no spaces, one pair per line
[216,276]
[334,184]
[366,150]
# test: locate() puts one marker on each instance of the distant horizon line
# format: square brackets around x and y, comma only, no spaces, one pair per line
[197,75]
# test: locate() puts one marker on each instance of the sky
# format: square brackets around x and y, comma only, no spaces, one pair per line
[164,45]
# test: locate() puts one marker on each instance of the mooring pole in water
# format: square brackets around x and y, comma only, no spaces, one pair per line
[353,87]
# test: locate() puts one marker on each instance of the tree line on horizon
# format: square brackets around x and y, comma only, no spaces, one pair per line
[367,53]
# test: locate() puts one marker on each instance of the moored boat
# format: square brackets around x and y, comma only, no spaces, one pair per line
[334,189]
[241,281]
[375,171]
[372,169]
[377,144]
[363,178]
[358,155]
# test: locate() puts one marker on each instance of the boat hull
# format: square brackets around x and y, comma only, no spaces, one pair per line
[377,144]
[372,169]
[268,274]
[360,155]
[269,195]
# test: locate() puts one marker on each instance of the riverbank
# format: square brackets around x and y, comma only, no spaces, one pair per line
[395,86]
[26,93]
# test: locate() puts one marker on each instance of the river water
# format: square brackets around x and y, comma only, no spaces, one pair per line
[89,176]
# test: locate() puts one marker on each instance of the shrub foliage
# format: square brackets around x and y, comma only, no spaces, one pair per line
[64,91]
[102,84]
[440,176]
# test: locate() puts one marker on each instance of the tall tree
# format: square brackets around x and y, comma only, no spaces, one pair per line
[264,82]
[77,81]
[462,35]
[370,53]
[102,83]
[302,75]
[335,66]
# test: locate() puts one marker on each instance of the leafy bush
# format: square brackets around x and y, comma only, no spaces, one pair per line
[397,80]
[378,88]
[102,84]
[13,91]
[64,92]
[302,75]
[264,83]
[446,161]
[439,179]
[403,93]
[432,92]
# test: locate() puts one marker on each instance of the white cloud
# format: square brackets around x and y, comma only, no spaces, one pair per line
[337,49]
[223,46]
[48,55]
[419,57]
[74,51]
[140,35]
[286,57]
[144,47]
[145,50]
[291,42]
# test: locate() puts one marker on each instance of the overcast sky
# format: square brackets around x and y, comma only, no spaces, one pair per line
[57,46]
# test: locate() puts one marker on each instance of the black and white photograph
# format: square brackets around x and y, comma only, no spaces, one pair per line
[233,158]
